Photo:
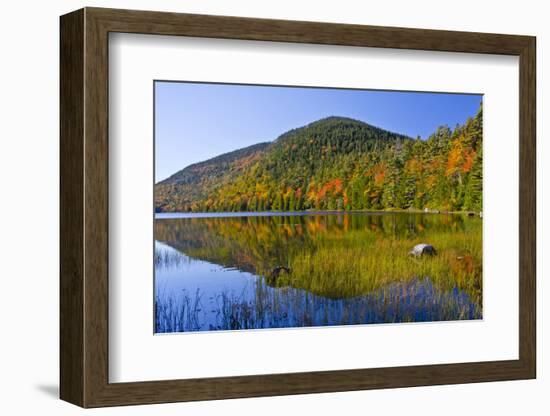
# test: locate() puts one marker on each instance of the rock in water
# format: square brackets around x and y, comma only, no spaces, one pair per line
[423,249]
[278,270]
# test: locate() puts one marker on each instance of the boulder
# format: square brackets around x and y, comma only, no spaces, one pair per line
[278,270]
[423,250]
[274,278]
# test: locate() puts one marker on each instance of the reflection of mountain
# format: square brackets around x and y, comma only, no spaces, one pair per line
[335,164]
[335,256]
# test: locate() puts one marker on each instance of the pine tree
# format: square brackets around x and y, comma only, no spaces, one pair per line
[473,199]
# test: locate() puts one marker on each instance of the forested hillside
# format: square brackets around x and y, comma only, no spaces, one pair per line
[336,164]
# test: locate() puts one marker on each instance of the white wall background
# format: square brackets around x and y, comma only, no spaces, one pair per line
[29,159]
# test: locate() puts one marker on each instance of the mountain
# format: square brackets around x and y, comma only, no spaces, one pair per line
[194,183]
[335,163]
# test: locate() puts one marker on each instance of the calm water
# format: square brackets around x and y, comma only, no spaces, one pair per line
[274,270]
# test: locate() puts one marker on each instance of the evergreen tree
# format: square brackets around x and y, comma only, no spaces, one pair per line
[337,164]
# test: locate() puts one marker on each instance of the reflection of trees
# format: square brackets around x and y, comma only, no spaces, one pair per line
[334,255]
[252,241]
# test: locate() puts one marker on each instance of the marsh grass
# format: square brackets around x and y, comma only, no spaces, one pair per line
[263,307]
[345,269]
[351,265]
[178,313]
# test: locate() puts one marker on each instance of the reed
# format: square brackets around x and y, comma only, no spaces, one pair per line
[350,265]
[349,268]
[262,307]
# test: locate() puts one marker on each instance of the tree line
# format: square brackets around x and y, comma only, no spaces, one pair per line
[344,164]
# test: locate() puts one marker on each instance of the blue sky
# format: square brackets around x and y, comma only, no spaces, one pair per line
[194,122]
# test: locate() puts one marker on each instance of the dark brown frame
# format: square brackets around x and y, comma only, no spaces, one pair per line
[84,207]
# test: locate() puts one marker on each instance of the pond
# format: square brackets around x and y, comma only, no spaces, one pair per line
[273,270]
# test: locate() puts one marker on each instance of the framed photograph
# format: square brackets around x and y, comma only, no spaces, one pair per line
[257,207]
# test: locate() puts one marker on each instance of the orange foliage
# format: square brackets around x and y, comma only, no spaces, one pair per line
[337,185]
[379,173]
[469,161]
[453,160]
[379,178]
[334,186]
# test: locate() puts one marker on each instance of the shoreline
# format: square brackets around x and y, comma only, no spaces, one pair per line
[171,215]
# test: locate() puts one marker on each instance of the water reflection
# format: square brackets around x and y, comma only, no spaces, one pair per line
[217,273]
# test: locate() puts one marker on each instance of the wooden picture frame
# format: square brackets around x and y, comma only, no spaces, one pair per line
[84,207]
